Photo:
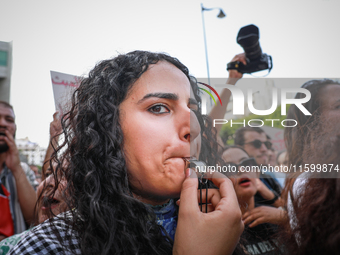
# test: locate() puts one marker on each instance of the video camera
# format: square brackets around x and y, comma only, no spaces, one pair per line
[248,38]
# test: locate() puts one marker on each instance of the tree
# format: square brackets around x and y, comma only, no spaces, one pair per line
[227,132]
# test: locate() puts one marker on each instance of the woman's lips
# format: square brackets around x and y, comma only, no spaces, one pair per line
[244,182]
[48,203]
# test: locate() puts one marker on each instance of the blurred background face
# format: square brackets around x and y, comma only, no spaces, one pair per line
[259,154]
[56,203]
[7,122]
[158,126]
[272,154]
[282,159]
[244,183]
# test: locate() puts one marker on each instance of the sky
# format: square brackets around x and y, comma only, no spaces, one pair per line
[302,36]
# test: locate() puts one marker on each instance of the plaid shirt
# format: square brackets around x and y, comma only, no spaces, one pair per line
[42,240]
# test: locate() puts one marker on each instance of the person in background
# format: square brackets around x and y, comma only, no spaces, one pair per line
[272,162]
[272,157]
[313,210]
[35,169]
[281,158]
[46,208]
[260,221]
[313,205]
[254,141]
[15,176]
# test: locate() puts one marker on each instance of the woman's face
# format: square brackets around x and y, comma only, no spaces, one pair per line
[244,183]
[56,204]
[158,126]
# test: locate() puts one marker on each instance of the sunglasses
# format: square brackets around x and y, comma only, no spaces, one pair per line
[257,144]
[249,162]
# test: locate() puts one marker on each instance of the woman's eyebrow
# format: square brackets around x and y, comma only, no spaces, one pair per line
[170,96]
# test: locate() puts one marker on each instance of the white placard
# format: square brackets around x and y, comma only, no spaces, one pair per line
[63,88]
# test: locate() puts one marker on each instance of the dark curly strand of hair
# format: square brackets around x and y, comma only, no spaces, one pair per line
[107,218]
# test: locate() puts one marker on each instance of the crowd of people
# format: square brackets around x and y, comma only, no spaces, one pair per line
[116,178]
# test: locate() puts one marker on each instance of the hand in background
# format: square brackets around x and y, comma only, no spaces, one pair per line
[264,214]
[55,125]
[267,194]
[12,154]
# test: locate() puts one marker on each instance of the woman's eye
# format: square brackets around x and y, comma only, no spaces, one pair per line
[48,173]
[159,109]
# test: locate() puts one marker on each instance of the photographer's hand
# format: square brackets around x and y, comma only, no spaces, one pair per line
[218,111]
[234,75]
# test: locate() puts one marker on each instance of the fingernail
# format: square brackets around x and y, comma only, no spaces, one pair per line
[188,172]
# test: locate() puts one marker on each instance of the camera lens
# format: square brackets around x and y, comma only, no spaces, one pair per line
[248,38]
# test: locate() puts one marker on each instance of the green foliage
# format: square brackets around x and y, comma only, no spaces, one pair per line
[227,132]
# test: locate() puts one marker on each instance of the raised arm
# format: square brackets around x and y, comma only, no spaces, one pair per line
[218,111]
[55,129]
[25,191]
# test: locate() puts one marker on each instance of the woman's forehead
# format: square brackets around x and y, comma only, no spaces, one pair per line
[162,76]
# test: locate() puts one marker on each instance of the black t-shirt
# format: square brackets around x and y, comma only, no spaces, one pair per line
[261,240]
[271,184]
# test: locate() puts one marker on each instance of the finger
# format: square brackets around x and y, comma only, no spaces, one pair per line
[251,218]
[242,58]
[210,207]
[253,211]
[213,196]
[248,220]
[245,216]
[226,189]
[188,195]
[222,182]
[55,115]
[9,139]
[256,222]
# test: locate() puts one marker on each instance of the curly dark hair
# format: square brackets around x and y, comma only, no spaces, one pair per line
[106,216]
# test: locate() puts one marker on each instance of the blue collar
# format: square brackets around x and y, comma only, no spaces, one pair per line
[166,216]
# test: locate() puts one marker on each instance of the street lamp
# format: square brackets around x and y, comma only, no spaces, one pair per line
[220,15]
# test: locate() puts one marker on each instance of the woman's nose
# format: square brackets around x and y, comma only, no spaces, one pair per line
[195,128]
[191,128]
